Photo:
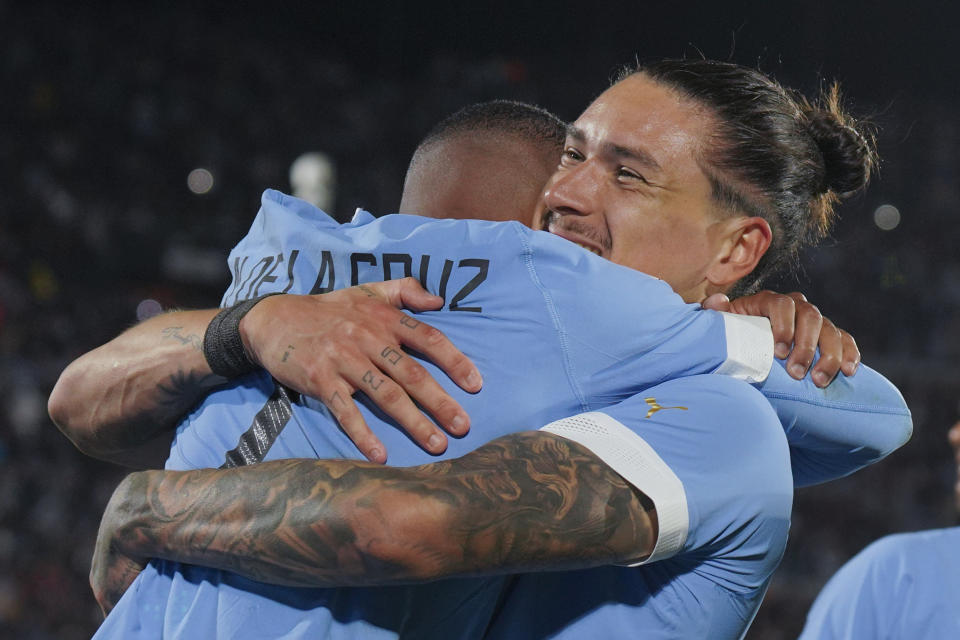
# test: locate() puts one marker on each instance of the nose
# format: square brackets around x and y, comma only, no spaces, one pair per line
[574,190]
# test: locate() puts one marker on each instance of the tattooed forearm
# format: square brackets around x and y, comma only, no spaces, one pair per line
[176,333]
[182,388]
[123,393]
[143,421]
[522,502]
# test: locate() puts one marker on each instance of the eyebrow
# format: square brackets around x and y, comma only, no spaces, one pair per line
[620,151]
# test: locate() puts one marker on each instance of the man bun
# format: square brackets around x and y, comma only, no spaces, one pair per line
[773,153]
[847,146]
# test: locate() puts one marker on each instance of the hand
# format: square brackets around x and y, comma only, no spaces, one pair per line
[331,345]
[111,570]
[795,321]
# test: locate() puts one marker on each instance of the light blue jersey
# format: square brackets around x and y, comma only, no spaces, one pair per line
[904,586]
[555,330]
[714,460]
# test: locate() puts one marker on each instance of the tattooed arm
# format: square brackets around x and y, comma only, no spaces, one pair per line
[527,501]
[121,401]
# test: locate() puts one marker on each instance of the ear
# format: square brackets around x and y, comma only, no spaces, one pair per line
[744,242]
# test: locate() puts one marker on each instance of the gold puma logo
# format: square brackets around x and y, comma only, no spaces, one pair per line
[654,407]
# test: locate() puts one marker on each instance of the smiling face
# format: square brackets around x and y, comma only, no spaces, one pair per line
[630,189]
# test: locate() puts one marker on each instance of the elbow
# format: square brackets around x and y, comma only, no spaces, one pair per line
[59,407]
[888,432]
[887,422]
[894,428]
[64,413]
[898,431]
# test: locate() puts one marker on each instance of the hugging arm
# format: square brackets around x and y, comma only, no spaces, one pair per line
[526,501]
[836,431]
[835,425]
[121,401]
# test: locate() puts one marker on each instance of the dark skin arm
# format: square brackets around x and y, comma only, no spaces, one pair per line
[524,502]
[798,330]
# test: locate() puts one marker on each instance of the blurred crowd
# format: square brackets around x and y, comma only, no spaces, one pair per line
[104,122]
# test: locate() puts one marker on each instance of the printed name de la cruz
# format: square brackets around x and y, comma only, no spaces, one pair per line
[255,275]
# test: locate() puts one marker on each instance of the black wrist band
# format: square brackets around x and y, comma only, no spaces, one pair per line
[222,346]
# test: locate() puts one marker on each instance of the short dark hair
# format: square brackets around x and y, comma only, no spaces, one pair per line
[773,153]
[526,121]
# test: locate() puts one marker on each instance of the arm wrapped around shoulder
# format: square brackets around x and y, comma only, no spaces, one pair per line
[832,432]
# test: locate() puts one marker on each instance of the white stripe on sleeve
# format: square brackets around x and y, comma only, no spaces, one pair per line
[629,455]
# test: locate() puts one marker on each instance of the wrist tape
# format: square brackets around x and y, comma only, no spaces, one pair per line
[222,346]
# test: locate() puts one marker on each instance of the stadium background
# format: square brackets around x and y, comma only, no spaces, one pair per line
[105,111]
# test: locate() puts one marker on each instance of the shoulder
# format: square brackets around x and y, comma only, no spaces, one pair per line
[906,553]
[712,415]
[711,455]
[276,205]
[905,585]
[704,426]
[867,594]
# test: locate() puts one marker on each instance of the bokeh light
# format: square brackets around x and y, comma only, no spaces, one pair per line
[147,309]
[887,217]
[200,181]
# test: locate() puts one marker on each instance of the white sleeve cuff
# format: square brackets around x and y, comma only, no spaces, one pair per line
[629,455]
[749,347]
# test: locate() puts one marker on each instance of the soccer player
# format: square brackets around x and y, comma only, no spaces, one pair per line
[765,514]
[905,585]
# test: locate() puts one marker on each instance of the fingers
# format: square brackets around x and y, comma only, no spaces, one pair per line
[779,309]
[420,336]
[794,321]
[427,392]
[406,293]
[347,414]
[435,346]
[717,302]
[838,349]
[391,398]
[831,354]
[332,345]
[393,381]
[851,354]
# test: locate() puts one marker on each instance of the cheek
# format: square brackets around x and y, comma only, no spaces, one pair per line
[675,252]
[652,250]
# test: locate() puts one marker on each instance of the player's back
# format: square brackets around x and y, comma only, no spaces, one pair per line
[554,329]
